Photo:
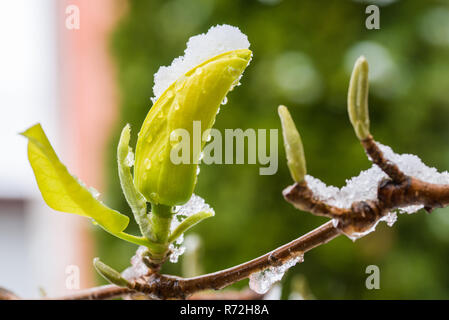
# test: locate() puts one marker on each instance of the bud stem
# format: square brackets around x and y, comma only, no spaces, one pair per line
[160,221]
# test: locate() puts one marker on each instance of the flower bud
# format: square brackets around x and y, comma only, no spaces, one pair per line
[293,146]
[194,98]
[358,99]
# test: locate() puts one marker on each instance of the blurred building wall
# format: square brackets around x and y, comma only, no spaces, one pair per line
[63,79]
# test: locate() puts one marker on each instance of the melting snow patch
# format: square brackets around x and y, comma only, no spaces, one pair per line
[218,39]
[364,186]
[138,267]
[194,205]
[129,160]
[262,281]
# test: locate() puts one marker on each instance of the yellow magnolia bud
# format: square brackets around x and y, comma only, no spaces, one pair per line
[194,97]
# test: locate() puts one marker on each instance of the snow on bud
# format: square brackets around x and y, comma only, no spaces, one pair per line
[293,146]
[358,98]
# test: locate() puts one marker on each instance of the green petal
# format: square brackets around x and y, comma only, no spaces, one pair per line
[62,191]
[196,96]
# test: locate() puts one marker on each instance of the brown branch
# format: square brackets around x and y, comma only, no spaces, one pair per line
[397,191]
[377,157]
[161,286]
[5,294]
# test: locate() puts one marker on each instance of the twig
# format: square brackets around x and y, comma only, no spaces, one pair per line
[245,294]
[377,157]
[97,293]
[398,191]
[5,294]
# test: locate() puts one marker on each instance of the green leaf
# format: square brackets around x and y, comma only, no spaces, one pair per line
[188,223]
[196,96]
[62,191]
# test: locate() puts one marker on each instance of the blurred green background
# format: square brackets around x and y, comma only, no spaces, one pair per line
[303,55]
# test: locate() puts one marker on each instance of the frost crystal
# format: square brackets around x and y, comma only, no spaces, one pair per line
[262,281]
[364,186]
[275,293]
[218,39]
[390,218]
[177,249]
[138,267]
[194,205]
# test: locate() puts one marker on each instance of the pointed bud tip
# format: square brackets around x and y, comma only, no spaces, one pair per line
[282,109]
[361,59]
[361,64]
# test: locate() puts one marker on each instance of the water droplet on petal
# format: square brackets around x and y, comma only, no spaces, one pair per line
[169,94]
[147,164]
[174,138]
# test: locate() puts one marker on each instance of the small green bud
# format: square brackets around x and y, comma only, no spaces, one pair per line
[136,201]
[113,276]
[358,99]
[293,146]
[194,98]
